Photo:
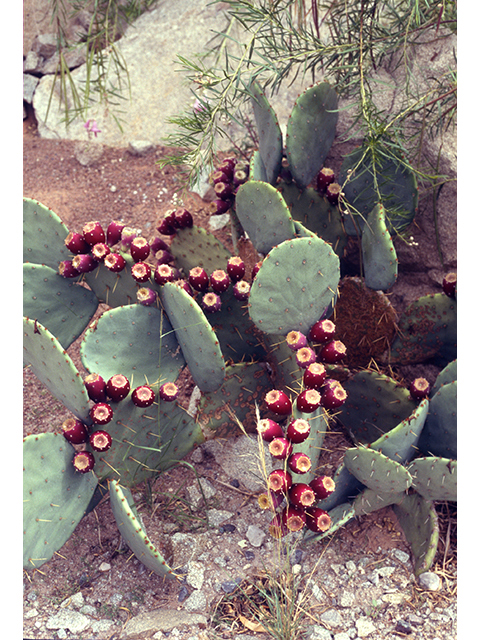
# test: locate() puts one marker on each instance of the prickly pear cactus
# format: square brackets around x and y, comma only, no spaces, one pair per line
[379,257]
[55,497]
[419,522]
[43,235]
[269,133]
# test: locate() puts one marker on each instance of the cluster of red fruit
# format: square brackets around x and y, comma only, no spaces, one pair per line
[100,392]
[318,390]
[226,179]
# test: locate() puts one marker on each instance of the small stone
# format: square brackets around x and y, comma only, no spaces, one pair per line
[364,627]
[113,188]
[217,516]
[104,566]
[88,610]
[430,581]
[332,618]
[87,153]
[218,222]
[347,599]
[196,574]
[255,535]
[343,635]
[99,626]
[29,86]
[32,613]
[403,626]
[196,602]
[197,456]
[401,555]
[77,601]
[229,586]
[350,566]
[318,633]
[140,147]
[72,620]
[182,593]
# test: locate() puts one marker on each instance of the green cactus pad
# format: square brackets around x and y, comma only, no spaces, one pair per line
[269,133]
[401,442]
[375,405]
[63,307]
[133,532]
[311,131]
[245,384]
[448,374]
[145,441]
[134,340]
[54,368]
[397,190]
[339,516]
[419,522]
[264,215]
[43,235]
[257,168]
[115,289]
[427,329]
[312,446]
[196,247]
[294,286]
[439,435]
[435,478]
[369,501]
[316,215]
[55,496]
[380,261]
[378,472]
[199,342]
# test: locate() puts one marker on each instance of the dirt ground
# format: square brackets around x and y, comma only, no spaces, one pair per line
[123,186]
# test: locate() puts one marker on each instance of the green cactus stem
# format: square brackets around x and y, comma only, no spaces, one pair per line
[369,501]
[196,247]
[339,515]
[269,134]
[419,522]
[55,496]
[379,257]
[439,436]
[114,289]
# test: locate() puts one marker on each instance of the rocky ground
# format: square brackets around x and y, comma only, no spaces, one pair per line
[358,583]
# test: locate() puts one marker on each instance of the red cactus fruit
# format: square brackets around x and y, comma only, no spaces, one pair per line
[118,387]
[166,227]
[269,429]
[325,177]
[301,495]
[183,284]
[75,431]
[83,461]
[333,352]
[278,402]
[220,176]
[182,219]
[100,251]
[164,256]
[96,387]
[419,388]
[270,500]
[299,462]
[146,296]
[239,177]
[256,269]
[449,285]
[101,413]
[279,481]
[115,262]
[219,281]
[218,207]
[293,518]
[141,272]
[93,232]
[314,375]
[277,527]
[76,243]
[333,192]
[305,357]
[280,448]
[67,270]
[298,430]
[157,244]
[317,520]
[198,279]
[333,396]
[322,331]
[223,190]
[84,263]
[143,396]
[164,273]
[139,249]
[168,392]
[100,441]
[308,400]
[296,340]
[323,486]
[241,290]
[236,268]
[114,232]
[211,302]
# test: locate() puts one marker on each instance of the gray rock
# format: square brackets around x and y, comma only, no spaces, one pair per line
[318,633]
[255,535]
[347,599]
[29,85]
[240,458]
[195,495]
[146,624]
[364,626]
[140,147]
[87,153]
[72,620]
[196,602]
[332,618]
[32,63]
[77,601]
[196,574]
[430,581]
[45,45]
[217,516]
[101,626]
[401,555]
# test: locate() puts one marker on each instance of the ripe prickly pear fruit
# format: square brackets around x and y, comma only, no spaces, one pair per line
[314,375]
[96,387]
[118,387]
[74,431]
[293,518]
[114,232]
[101,413]
[93,232]
[278,402]
[298,430]
[299,463]
[269,429]
[277,527]
[100,441]
[317,519]
[84,263]
[218,207]
[184,285]
[211,302]
[166,227]
[168,391]
[270,500]
[76,243]
[333,352]
[219,281]
[67,270]
[115,262]
[164,273]
[146,296]
[325,177]
[296,340]
[182,219]
[419,388]
[164,257]
[139,249]
[279,481]
[198,279]
[301,495]
[280,448]
[256,269]
[323,486]
[308,400]
[332,193]
[141,272]
[223,190]
[236,268]
[228,167]
[143,396]
[157,244]
[322,331]
[100,251]
[305,357]
[83,461]
[220,176]
[449,285]
[241,290]
[128,234]
[239,177]
[333,395]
